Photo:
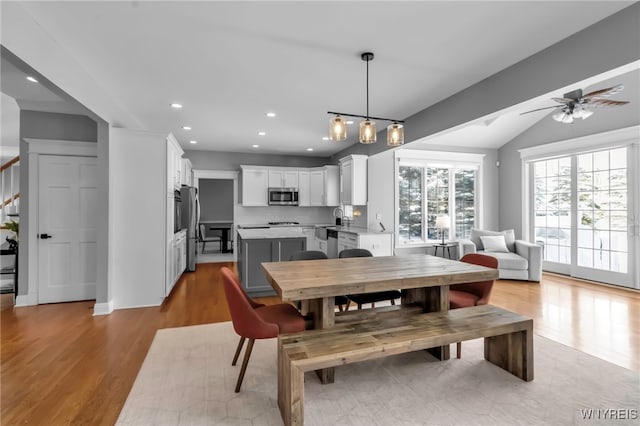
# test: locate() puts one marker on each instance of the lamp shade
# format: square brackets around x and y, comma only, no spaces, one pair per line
[395,134]
[367,131]
[442,221]
[337,129]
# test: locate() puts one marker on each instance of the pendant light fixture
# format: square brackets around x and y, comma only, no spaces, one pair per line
[367,130]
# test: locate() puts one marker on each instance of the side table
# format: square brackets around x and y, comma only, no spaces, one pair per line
[444,246]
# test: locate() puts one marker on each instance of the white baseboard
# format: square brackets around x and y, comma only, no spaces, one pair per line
[26,300]
[103,308]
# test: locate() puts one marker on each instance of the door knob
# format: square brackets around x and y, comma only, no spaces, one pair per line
[45,236]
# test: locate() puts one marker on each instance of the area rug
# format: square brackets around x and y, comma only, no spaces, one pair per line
[187,379]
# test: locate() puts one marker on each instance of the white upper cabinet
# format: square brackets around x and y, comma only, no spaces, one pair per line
[304,189]
[323,186]
[255,186]
[283,178]
[186,177]
[353,180]
[174,163]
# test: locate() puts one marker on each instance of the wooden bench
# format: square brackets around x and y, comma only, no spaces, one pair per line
[508,343]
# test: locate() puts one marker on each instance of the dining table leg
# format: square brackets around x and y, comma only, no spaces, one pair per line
[432,299]
[323,312]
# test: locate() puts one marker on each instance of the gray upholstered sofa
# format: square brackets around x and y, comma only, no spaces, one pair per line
[522,261]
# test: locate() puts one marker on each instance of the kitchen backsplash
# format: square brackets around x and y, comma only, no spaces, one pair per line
[258,215]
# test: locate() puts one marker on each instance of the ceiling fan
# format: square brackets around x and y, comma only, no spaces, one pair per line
[574,104]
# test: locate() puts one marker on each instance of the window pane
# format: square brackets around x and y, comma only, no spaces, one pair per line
[618,158]
[465,181]
[552,194]
[410,204]
[437,199]
[585,162]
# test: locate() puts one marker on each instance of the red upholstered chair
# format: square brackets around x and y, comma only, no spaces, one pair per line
[472,294]
[252,320]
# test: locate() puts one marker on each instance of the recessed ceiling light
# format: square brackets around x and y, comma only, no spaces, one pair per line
[186,127]
[176,106]
[349,121]
[261,133]
[255,146]
[270,114]
[309,149]
[31,79]
[325,138]
[193,141]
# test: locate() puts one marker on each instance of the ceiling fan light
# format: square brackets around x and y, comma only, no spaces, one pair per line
[395,134]
[581,112]
[337,129]
[367,131]
[564,116]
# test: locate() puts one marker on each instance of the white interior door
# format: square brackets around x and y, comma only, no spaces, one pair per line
[67,228]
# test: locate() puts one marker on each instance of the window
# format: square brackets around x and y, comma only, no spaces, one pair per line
[583,205]
[426,190]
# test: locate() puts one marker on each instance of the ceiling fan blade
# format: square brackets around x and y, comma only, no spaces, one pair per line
[595,103]
[564,100]
[540,109]
[604,93]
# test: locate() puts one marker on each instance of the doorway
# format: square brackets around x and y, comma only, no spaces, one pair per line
[584,208]
[217,196]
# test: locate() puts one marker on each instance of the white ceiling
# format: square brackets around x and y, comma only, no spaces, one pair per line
[229,63]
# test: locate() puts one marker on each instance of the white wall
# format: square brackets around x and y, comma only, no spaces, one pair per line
[381,190]
[137,210]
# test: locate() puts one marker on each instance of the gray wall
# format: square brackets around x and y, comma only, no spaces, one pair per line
[218,160]
[44,125]
[216,200]
[48,125]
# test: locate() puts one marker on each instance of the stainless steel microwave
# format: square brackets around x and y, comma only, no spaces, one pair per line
[283,196]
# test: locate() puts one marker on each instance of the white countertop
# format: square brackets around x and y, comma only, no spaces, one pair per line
[264,233]
[359,231]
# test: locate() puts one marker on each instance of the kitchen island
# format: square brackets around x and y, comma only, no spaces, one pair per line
[265,245]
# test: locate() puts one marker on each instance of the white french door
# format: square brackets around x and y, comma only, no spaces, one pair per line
[584,208]
[67,228]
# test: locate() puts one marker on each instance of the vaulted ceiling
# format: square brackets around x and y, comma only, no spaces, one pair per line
[229,63]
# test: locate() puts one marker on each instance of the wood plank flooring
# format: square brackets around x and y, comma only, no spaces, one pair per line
[61,365]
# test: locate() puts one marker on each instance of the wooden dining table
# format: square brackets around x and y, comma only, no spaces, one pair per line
[423,279]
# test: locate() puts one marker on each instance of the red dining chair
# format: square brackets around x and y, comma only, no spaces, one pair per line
[252,320]
[472,294]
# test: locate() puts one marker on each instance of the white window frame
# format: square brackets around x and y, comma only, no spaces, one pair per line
[425,159]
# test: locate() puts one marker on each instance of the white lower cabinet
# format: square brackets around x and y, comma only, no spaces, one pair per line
[321,245]
[310,233]
[377,244]
[177,259]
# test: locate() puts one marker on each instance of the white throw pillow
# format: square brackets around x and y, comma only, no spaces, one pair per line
[494,243]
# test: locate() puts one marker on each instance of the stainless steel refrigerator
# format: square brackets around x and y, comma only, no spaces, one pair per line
[190,219]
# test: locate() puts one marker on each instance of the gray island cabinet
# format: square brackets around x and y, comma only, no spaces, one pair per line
[264,245]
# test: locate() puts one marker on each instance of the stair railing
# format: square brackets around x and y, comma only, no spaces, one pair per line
[9,189]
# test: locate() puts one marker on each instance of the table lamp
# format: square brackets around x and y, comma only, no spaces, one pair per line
[442,223]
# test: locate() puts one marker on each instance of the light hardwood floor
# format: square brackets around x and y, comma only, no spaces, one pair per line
[61,365]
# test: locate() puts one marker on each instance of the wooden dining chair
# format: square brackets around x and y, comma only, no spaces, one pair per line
[472,294]
[362,298]
[252,320]
[318,255]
